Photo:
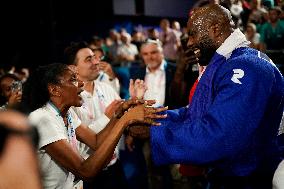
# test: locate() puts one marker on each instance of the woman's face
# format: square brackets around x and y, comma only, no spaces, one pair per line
[8,90]
[70,89]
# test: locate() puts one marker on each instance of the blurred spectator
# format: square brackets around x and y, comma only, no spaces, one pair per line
[268,4]
[236,9]
[98,42]
[114,36]
[18,160]
[272,38]
[127,51]
[137,38]
[170,40]
[257,12]
[176,28]
[252,36]
[272,32]
[152,33]
[10,91]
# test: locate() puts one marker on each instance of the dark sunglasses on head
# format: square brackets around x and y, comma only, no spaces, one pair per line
[32,133]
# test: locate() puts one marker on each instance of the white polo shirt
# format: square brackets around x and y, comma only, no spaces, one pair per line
[156,84]
[51,128]
[91,113]
[103,77]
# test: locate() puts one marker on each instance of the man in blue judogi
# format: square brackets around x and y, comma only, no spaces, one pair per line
[232,122]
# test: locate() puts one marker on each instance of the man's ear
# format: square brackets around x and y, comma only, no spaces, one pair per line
[215,30]
[53,90]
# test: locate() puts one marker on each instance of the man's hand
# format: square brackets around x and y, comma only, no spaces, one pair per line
[137,89]
[139,126]
[139,131]
[112,108]
[106,67]
[131,103]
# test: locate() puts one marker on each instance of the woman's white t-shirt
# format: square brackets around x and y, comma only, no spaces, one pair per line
[51,128]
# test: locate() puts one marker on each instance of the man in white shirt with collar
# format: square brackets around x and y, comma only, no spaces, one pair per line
[100,101]
[158,75]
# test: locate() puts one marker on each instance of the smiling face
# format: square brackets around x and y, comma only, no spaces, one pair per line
[201,38]
[208,27]
[152,55]
[70,88]
[87,65]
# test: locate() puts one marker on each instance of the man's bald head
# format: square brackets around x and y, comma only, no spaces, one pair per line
[205,17]
[208,28]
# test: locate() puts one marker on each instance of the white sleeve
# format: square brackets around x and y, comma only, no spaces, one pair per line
[49,129]
[114,83]
[98,125]
[278,181]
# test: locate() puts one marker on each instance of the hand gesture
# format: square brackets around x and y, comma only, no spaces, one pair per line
[14,98]
[112,108]
[140,128]
[137,89]
[192,55]
[106,67]
[145,114]
[131,103]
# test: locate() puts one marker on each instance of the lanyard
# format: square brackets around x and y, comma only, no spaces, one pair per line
[70,129]
[101,98]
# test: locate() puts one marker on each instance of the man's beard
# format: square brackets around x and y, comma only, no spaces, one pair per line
[153,65]
[207,49]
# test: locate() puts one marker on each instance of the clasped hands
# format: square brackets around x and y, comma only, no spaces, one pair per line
[140,115]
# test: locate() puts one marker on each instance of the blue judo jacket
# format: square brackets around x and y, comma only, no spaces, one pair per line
[232,122]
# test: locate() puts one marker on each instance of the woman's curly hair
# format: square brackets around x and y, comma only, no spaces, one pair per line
[35,91]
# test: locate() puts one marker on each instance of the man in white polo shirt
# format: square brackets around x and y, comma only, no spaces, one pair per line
[100,101]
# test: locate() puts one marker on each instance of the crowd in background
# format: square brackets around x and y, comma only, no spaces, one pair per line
[122,55]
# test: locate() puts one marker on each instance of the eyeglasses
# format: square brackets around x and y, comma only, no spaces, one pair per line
[74,81]
[90,59]
[31,133]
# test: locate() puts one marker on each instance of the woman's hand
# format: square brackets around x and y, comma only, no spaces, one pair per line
[145,115]
[129,104]
[139,127]
[113,107]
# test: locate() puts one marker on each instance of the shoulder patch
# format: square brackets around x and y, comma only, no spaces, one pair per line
[238,74]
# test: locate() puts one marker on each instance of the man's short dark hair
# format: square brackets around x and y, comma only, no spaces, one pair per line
[71,51]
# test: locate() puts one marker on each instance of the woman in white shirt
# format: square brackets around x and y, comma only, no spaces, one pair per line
[49,93]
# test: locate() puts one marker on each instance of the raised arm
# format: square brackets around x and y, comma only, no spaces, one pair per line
[62,152]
